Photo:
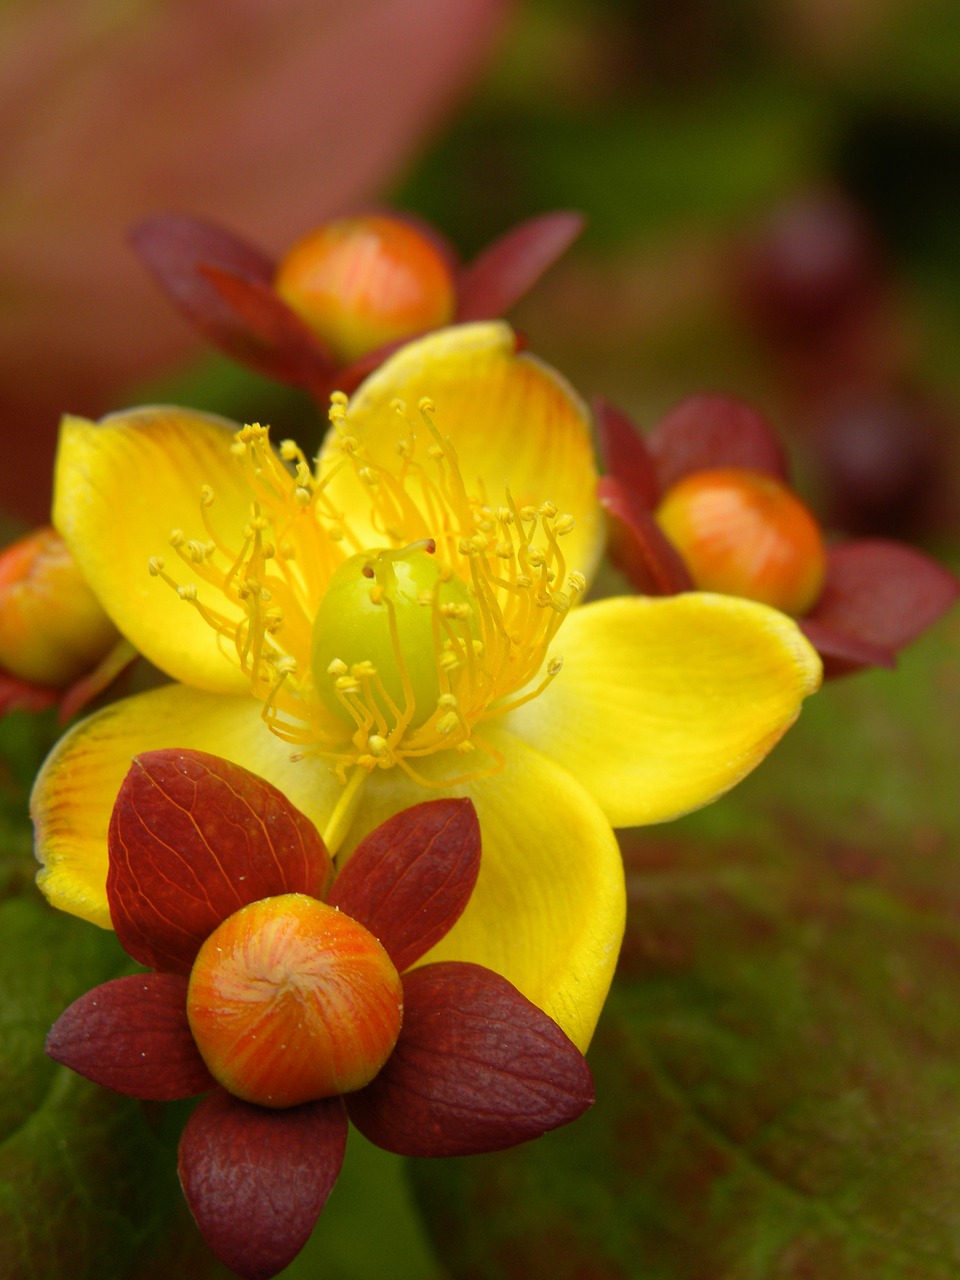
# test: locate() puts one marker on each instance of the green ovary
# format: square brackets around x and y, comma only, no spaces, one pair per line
[353,626]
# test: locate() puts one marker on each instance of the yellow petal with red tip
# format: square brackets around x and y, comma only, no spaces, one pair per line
[548,909]
[75,791]
[122,487]
[512,420]
[663,704]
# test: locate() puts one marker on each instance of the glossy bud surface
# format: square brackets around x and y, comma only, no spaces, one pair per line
[743,533]
[365,281]
[291,1000]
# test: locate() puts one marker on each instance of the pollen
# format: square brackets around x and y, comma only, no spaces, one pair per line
[379,635]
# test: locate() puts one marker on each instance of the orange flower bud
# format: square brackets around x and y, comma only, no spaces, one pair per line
[362,282]
[743,533]
[292,1000]
[52,628]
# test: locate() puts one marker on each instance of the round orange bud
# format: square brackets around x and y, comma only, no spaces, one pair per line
[743,533]
[52,627]
[365,281]
[290,1000]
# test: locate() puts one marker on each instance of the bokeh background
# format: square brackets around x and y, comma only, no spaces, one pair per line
[773,198]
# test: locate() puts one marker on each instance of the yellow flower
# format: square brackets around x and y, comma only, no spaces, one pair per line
[405,616]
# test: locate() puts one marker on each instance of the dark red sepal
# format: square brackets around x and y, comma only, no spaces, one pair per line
[625,454]
[270,336]
[509,267]
[409,880]
[223,286]
[256,1179]
[19,695]
[477,1068]
[883,593]
[132,1035]
[843,653]
[704,432]
[192,839]
[637,546]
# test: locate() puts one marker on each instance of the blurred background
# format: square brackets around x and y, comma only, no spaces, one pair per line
[772,190]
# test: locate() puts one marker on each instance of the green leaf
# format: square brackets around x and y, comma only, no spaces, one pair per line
[88,1185]
[778,1070]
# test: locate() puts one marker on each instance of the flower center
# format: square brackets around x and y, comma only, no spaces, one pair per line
[291,1000]
[377,634]
[381,613]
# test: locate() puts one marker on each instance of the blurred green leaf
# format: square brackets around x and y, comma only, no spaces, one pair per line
[778,1070]
[88,1185]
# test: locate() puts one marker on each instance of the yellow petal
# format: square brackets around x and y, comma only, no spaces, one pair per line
[548,909]
[121,487]
[74,793]
[512,419]
[664,704]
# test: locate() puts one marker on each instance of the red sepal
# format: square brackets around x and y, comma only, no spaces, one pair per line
[709,431]
[477,1068]
[509,267]
[637,546]
[625,453]
[843,653]
[223,286]
[270,337]
[410,879]
[132,1035]
[19,695]
[256,1179]
[192,839]
[883,593]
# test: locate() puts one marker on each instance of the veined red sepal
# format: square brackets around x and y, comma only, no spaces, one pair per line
[637,546]
[256,1180]
[192,839]
[478,1067]
[409,880]
[131,1035]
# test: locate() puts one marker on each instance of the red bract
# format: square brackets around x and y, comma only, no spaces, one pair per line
[225,287]
[877,596]
[195,840]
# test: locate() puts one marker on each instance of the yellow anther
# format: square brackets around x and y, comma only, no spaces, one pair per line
[504,515]
[285,665]
[504,550]
[576,581]
[156,566]
[426,405]
[363,670]
[554,666]
[301,496]
[548,509]
[346,684]
[337,668]
[563,524]
[289,450]
[536,556]
[188,591]
[398,406]
[446,702]
[198,551]
[206,495]
[449,660]
[177,538]
[377,746]
[339,397]
[446,724]
[528,513]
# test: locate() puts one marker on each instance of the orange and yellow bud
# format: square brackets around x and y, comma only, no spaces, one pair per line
[52,627]
[742,533]
[362,282]
[291,1000]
